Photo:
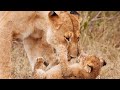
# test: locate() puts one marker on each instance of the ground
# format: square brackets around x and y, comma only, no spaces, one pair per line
[100,35]
[20,63]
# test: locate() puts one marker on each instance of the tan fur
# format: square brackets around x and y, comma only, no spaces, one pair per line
[84,71]
[32,27]
[77,70]
[64,26]
[5,49]
[7,31]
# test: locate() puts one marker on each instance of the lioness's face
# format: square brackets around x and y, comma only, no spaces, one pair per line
[66,29]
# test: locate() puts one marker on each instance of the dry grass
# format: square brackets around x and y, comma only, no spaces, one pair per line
[21,65]
[100,35]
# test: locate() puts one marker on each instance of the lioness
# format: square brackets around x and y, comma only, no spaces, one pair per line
[60,28]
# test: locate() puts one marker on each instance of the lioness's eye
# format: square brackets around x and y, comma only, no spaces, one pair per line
[74,12]
[67,38]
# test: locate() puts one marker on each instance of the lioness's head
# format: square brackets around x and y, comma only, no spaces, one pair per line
[65,27]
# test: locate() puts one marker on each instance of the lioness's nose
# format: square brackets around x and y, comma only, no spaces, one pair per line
[75,54]
[73,50]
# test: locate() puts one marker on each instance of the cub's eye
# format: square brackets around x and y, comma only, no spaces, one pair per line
[74,12]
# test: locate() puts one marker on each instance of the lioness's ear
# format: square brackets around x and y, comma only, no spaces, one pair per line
[54,18]
[75,13]
[52,14]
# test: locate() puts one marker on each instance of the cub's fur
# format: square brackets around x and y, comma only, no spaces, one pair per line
[87,68]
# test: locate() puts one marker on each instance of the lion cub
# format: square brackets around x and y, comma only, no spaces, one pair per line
[87,68]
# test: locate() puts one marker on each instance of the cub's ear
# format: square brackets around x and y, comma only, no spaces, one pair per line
[103,62]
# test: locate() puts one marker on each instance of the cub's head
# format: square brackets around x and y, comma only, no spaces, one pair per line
[65,30]
[93,65]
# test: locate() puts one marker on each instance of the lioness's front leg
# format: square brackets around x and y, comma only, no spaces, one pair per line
[29,46]
[63,58]
[39,48]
